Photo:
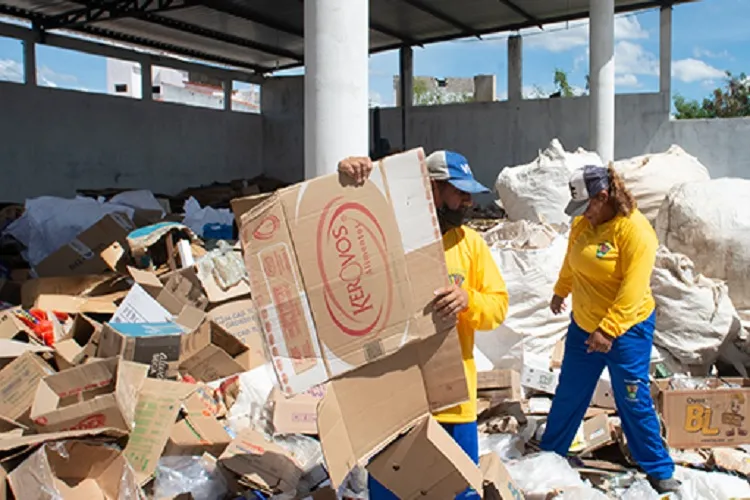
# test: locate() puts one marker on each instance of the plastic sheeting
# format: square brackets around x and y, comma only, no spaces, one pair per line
[197,217]
[651,177]
[543,473]
[694,314]
[538,191]
[529,257]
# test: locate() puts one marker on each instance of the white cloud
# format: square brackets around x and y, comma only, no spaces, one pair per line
[561,37]
[50,78]
[694,70]
[627,80]
[11,71]
[631,58]
[699,53]
[376,99]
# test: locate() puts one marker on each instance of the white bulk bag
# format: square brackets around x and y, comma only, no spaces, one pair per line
[529,257]
[538,191]
[694,314]
[709,222]
[651,177]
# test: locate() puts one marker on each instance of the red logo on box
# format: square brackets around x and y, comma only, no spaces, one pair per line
[267,228]
[90,422]
[350,232]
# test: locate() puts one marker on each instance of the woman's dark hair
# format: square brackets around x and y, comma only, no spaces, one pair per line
[619,195]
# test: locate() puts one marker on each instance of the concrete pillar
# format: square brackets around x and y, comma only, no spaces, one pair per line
[515,68]
[665,52]
[147,81]
[336,83]
[405,89]
[484,88]
[602,67]
[228,87]
[29,62]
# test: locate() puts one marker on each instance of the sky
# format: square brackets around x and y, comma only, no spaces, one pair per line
[709,38]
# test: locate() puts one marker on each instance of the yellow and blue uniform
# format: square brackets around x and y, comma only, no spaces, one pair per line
[470,266]
[607,270]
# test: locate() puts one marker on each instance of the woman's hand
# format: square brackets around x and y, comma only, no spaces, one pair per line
[557,304]
[450,301]
[356,167]
[599,342]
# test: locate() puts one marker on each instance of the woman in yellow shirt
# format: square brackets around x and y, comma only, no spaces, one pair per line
[607,269]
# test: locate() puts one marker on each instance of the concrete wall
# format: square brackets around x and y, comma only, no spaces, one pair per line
[282,104]
[56,141]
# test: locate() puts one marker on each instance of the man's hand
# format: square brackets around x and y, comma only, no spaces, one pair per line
[599,342]
[557,304]
[450,301]
[356,167]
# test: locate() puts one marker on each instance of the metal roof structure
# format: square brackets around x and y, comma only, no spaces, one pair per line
[267,35]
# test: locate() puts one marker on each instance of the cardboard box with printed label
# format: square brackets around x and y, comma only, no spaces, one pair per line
[298,414]
[706,418]
[157,345]
[426,462]
[261,464]
[98,394]
[210,353]
[240,318]
[18,383]
[73,470]
[344,275]
[498,484]
[98,249]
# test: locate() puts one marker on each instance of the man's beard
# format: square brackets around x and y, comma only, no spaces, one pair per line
[450,219]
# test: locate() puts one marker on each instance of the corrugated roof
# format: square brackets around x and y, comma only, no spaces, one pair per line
[266,35]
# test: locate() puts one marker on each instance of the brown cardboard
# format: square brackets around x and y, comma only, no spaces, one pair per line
[260,463]
[74,470]
[79,344]
[558,353]
[18,382]
[597,433]
[210,353]
[90,252]
[499,386]
[157,345]
[98,394]
[158,406]
[705,418]
[11,327]
[426,462]
[195,435]
[366,409]
[203,402]
[298,414]
[240,206]
[498,484]
[240,318]
[67,285]
[362,285]
[176,292]
[731,460]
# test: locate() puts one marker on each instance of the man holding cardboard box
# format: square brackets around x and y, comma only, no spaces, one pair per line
[477,297]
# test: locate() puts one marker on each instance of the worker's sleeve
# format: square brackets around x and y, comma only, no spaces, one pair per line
[637,253]
[564,284]
[488,296]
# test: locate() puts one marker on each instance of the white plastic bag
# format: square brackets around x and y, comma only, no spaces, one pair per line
[694,314]
[189,474]
[505,446]
[543,473]
[699,485]
[142,199]
[530,275]
[538,191]
[709,222]
[651,177]
[196,217]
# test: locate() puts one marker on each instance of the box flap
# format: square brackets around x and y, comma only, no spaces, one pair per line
[196,434]
[19,380]
[67,285]
[211,354]
[240,319]
[298,414]
[140,307]
[498,484]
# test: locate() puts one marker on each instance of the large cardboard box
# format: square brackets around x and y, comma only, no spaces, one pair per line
[195,435]
[98,249]
[240,318]
[298,414]
[79,344]
[706,418]
[74,470]
[157,345]
[98,394]
[345,275]
[426,462]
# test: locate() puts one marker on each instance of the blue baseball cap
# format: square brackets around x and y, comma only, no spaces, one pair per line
[454,168]
[586,183]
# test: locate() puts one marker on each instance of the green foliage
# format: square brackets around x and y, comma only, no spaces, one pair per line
[424,96]
[731,100]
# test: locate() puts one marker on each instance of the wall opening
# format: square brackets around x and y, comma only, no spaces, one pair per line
[245,97]
[11,60]
[70,70]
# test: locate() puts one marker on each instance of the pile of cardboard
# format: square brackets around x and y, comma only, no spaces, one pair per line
[138,361]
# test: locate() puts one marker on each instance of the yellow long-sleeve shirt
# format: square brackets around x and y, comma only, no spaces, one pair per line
[608,270]
[471,266]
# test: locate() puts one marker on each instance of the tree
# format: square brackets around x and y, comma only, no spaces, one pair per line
[424,96]
[731,100]
[561,84]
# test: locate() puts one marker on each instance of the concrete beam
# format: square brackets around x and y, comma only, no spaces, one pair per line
[484,88]
[515,68]
[602,68]
[665,52]
[147,81]
[337,114]
[406,89]
[29,62]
